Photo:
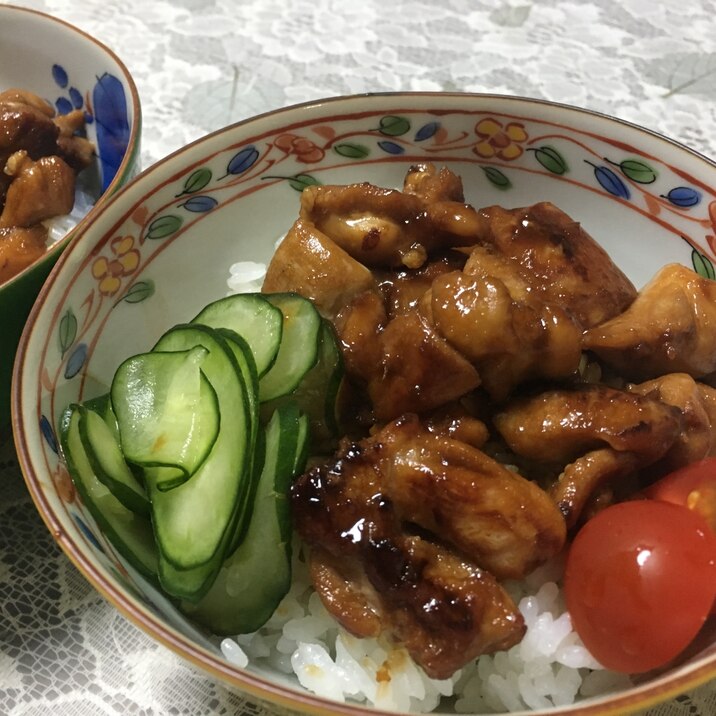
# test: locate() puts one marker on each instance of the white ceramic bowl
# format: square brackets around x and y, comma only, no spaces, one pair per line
[71,70]
[161,249]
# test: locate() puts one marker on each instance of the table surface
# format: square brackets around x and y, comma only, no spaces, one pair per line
[202,64]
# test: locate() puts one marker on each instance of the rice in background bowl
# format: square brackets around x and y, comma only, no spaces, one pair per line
[71,70]
[226,198]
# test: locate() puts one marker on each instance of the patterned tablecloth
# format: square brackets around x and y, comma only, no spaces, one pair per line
[202,64]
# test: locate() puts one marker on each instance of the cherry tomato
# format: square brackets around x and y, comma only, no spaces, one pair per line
[693,486]
[639,583]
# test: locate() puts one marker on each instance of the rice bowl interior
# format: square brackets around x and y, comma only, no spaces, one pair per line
[226,199]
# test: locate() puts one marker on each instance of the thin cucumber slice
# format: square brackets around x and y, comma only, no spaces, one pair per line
[254,318]
[317,393]
[256,577]
[102,405]
[167,412]
[107,462]
[247,365]
[192,521]
[130,533]
[298,351]
[192,584]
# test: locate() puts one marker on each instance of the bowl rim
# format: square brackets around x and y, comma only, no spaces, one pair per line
[634,699]
[133,146]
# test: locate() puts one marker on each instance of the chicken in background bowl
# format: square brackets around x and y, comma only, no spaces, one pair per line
[42,154]
[173,233]
[85,84]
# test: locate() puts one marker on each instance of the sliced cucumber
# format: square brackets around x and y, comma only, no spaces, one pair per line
[191,521]
[298,351]
[107,462]
[167,412]
[189,584]
[247,365]
[317,393]
[102,405]
[254,318]
[256,577]
[130,533]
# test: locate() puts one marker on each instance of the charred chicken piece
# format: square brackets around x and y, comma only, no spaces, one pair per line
[75,149]
[310,263]
[418,369]
[388,228]
[402,364]
[502,522]
[667,329]
[489,313]
[24,127]
[19,248]
[404,290]
[39,157]
[433,184]
[583,480]
[455,421]
[346,592]
[593,435]
[696,402]
[560,425]
[39,190]
[370,571]
[567,266]
[23,98]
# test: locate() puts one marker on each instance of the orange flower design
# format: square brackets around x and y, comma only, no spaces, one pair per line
[303,149]
[109,272]
[498,140]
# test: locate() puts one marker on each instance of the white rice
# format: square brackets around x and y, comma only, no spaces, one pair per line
[549,667]
[246,277]
[59,226]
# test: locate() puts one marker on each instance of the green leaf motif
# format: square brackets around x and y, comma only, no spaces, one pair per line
[702,265]
[551,160]
[394,126]
[497,178]
[352,151]
[139,291]
[638,171]
[300,181]
[197,180]
[67,330]
[163,226]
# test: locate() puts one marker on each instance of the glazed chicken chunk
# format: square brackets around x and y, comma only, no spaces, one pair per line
[667,329]
[40,155]
[40,190]
[594,434]
[697,403]
[408,530]
[432,299]
[389,228]
[310,263]
[567,266]
[504,523]
[489,313]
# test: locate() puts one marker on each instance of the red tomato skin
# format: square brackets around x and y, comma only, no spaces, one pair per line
[639,583]
[693,485]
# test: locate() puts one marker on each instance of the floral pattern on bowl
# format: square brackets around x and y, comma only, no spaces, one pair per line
[162,248]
